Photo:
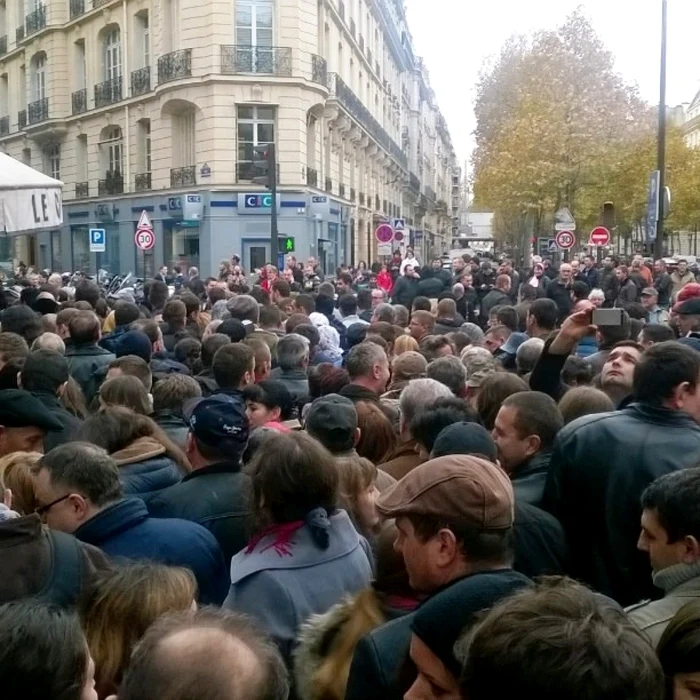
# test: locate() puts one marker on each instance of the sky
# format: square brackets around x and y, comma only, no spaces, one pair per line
[455,37]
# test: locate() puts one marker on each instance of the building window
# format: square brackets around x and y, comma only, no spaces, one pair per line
[145,145]
[112,150]
[52,160]
[81,156]
[4,95]
[113,54]
[80,64]
[256,127]
[27,156]
[254,22]
[183,139]
[39,77]
[171,25]
[143,40]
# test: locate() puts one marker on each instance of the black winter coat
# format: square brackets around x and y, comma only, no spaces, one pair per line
[405,291]
[85,363]
[600,466]
[561,295]
[70,423]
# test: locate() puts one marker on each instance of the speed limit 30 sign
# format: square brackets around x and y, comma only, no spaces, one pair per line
[565,239]
[144,239]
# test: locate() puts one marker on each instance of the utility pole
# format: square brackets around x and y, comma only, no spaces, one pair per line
[661,143]
[272,184]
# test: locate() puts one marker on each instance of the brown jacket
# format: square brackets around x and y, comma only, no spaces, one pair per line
[402,460]
[27,556]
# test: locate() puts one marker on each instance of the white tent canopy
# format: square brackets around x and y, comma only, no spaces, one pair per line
[29,199]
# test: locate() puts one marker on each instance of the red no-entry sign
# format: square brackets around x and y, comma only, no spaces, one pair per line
[600,236]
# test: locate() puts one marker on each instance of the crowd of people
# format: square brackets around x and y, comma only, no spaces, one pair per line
[405,482]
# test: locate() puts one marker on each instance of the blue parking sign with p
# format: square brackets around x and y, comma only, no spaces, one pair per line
[98,240]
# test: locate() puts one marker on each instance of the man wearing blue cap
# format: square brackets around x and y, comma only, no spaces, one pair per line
[24,422]
[214,494]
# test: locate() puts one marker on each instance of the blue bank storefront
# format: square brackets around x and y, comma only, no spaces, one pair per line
[196,228]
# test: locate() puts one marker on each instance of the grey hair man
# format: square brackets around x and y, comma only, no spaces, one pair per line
[527,355]
[451,372]
[293,362]
[50,341]
[418,394]
[368,367]
[244,308]
[383,312]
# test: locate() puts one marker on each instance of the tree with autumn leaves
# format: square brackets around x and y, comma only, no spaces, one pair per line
[556,126]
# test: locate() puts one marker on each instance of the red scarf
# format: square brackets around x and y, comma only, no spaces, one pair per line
[282,540]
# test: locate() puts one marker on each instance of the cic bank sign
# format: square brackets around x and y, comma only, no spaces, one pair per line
[256,203]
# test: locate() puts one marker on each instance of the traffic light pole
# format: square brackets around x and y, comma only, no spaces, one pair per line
[661,154]
[272,180]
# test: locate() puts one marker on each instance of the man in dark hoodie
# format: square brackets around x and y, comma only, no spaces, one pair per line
[434,280]
[498,296]
[125,313]
[405,288]
[448,320]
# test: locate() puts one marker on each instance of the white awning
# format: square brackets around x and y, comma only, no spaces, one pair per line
[29,200]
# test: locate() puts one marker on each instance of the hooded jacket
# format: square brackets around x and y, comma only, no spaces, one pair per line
[145,469]
[88,365]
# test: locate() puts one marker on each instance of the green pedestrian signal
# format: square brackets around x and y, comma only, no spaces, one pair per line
[286,245]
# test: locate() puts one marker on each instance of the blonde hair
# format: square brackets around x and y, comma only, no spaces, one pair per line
[15,474]
[121,605]
[405,343]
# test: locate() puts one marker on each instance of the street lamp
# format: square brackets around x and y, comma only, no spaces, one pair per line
[661,144]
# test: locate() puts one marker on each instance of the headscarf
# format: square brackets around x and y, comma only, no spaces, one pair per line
[329,342]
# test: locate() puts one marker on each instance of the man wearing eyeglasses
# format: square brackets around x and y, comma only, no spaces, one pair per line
[24,422]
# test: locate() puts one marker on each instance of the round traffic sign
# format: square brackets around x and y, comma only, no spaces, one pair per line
[565,239]
[398,236]
[384,233]
[144,239]
[600,236]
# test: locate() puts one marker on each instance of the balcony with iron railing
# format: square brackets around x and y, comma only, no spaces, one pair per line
[108,92]
[141,81]
[99,3]
[3,45]
[142,182]
[79,101]
[77,8]
[260,60]
[183,177]
[22,119]
[319,70]
[38,111]
[175,65]
[312,177]
[354,106]
[35,20]
[4,126]
[82,190]
[112,184]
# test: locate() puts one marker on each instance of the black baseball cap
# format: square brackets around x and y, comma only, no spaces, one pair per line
[19,409]
[691,307]
[332,420]
[464,439]
[219,422]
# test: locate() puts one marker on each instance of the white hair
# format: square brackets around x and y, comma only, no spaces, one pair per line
[596,294]
[418,394]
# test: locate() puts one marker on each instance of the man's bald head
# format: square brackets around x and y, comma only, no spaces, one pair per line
[208,655]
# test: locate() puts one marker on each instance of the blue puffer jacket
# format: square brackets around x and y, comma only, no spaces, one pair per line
[145,470]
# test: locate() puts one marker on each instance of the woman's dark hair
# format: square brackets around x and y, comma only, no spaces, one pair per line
[126,391]
[117,428]
[326,379]
[377,436]
[43,653]
[292,474]
[679,646]
[494,390]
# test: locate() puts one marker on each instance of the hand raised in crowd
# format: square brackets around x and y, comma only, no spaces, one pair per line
[574,329]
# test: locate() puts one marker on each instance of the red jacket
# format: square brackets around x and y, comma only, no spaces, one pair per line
[385,282]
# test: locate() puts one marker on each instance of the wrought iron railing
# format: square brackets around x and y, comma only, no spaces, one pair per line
[142,182]
[22,119]
[38,111]
[141,81]
[356,109]
[183,177]
[319,70]
[3,44]
[329,185]
[265,60]
[82,190]
[79,101]
[4,126]
[175,65]
[35,20]
[312,177]
[99,3]
[112,184]
[77,8]
[19,33]
[108,92]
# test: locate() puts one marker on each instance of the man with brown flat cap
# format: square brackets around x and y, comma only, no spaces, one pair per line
[455,517]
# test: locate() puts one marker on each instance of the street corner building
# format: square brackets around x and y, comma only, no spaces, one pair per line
[162,107]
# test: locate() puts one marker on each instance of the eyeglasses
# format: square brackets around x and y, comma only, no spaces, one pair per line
[43,510]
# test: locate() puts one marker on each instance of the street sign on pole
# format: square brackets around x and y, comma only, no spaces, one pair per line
[600,236]
[384,233]
[144,238]
[565,240]
[98,240]
[564,221]
[653,205]
[545,246]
